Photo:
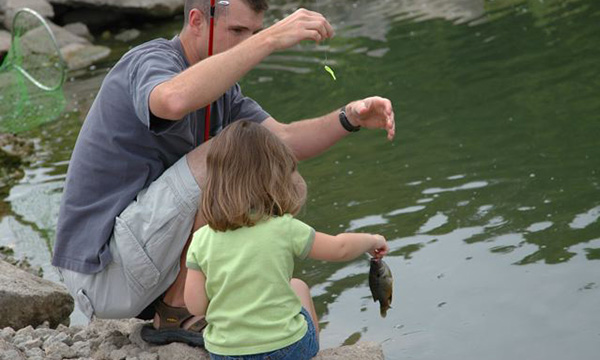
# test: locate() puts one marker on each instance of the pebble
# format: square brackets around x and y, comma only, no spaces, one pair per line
[59,350]
[7,334]
[35,352]
[80,336]
[118,354]
[19,340]
[31,344]
[26,331]
[43,333]
[148,356]
[60,337]
[10,355]
[82,348]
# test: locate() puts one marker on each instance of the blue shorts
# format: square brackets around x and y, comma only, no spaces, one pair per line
[303,349]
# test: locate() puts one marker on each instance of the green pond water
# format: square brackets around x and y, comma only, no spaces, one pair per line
[489,196]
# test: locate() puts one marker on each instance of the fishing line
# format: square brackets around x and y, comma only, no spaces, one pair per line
[326,61]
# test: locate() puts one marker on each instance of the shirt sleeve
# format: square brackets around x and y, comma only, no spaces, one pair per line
[302,236]
[148,71]
[244,108]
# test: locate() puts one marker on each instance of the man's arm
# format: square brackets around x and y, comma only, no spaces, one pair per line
[309,138]
[204,82]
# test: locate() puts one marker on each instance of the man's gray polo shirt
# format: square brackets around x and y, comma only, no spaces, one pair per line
[122,148]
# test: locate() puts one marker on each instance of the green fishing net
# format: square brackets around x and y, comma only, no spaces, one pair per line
[31,75]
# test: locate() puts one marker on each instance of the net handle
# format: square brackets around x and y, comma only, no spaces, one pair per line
[60,57]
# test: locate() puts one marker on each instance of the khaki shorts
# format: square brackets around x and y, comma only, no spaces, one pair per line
[146,245]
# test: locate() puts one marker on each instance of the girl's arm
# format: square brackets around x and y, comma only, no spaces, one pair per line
[194,293]
[347,246]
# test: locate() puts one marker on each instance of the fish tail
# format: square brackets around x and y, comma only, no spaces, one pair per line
[383,312]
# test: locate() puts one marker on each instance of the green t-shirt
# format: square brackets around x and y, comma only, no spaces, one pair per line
[252,307]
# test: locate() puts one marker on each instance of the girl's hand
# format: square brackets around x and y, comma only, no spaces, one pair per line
[380,247]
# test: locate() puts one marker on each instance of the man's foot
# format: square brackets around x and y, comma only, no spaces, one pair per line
[175,324]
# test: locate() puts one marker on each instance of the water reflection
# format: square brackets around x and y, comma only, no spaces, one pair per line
[582,221]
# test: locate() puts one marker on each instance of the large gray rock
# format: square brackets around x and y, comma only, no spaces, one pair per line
[80,56]
[9,8]
[80,29]
[77,51]
[29,300]
[128,35]
[157,8]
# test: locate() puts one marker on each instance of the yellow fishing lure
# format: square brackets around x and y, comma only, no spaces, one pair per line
[330,71]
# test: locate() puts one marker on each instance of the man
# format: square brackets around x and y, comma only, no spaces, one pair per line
[134,180]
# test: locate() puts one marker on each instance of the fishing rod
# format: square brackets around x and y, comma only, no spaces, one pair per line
[211,35]
[210,52]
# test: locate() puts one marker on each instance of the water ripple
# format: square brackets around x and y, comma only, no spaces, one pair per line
[434,222]
[407,210]
[582,221]
[540,226]
[468,186]
[367,221]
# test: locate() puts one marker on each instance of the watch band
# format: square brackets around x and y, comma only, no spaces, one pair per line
[346,123]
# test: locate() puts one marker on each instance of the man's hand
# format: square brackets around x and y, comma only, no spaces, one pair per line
[301,25]
[373,113]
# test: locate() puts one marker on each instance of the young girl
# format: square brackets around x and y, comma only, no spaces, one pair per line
[241,263]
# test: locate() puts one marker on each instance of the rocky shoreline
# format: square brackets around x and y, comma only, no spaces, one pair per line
[34,318]
[120,340]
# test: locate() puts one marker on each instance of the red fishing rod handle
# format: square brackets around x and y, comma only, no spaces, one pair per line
[210,52]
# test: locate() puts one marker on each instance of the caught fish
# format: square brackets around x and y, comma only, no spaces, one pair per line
[380,283]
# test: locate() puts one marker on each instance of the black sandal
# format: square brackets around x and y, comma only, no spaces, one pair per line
[169,328]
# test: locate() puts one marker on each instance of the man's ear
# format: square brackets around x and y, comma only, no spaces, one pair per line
[197,21]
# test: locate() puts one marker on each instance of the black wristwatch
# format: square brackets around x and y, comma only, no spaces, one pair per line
[346,123]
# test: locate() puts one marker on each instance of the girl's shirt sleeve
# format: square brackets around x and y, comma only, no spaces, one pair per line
[302,236]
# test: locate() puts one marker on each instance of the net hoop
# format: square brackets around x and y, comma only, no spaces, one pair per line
[56,47]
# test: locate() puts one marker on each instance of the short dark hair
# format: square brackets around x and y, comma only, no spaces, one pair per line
[257,6]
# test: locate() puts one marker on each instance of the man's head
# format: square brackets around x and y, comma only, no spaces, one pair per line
[234,22]
[258,6]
